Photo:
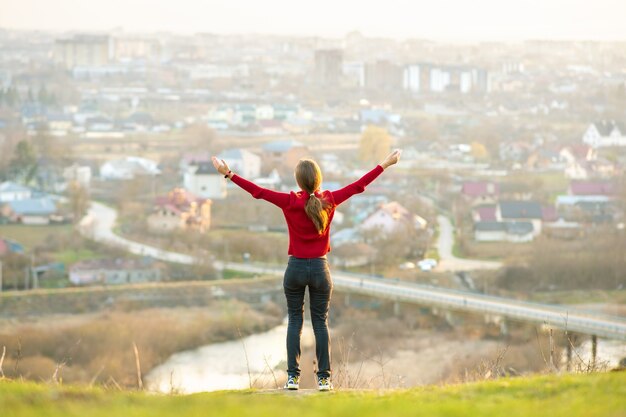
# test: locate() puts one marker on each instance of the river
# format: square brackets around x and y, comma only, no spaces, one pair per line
[229,365]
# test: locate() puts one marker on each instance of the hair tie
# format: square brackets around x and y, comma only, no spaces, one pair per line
[312,195]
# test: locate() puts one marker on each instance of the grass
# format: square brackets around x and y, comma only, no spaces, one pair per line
[70,256]
[233,274]
[566,395]
[32,236]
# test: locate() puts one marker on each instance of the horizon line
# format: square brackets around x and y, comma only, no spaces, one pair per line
[503,40]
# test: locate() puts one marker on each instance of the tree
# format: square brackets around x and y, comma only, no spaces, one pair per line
[375,144]
[479,151]
[53,149]
[23,166]
[79,200]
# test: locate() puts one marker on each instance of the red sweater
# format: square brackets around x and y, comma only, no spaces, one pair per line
[304,240]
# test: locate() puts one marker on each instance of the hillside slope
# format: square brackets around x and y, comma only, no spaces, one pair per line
[567,395]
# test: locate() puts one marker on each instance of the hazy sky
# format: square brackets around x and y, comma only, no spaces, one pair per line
[435,19]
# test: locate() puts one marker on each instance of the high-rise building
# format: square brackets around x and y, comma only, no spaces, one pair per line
[430,78]
[131,48]
[83,50]
[383,75]
[328,66]
[411,79]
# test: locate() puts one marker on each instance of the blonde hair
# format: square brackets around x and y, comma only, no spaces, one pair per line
[309,178]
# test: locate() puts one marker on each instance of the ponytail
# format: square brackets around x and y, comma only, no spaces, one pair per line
[315,210]
[309,178]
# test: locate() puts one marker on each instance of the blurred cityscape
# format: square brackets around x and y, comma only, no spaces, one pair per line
[511,180]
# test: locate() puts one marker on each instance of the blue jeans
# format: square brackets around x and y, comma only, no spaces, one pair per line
[314,273]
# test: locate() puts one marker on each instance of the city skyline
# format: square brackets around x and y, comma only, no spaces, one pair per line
[448,20]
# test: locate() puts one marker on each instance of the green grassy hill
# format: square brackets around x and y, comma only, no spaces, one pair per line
[567,395]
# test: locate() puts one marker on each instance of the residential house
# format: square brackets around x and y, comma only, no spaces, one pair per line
[588,201]
[60,124]
[285,111]
[331,164]
[204,181]
[298,125]
[480,192]
[282,155]
[605,133]
[243,162]
[114,271]
[9,246]
[496,231]
[31,211]
[180,210]
[100,124]
[264,112]
[244,114]
[193,158]
[392,217]
[10,191]
[582,162]
[139,122]
[515,151]
[589,188]
[128,168]
[363,205]
[270,127]
[78,173]
[484,213]
[521,211]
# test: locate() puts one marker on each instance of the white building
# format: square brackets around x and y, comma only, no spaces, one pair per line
[605,133]
[265,112]
[242,162]
[495,231]
[202,180]
[10,191]
[354,73]
[439,80]
[128,168]
[411,78]
[392,217]
[78,173]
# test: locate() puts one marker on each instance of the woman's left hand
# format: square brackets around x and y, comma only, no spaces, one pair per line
[220,165]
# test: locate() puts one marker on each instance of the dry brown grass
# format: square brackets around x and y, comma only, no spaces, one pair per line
[100,349]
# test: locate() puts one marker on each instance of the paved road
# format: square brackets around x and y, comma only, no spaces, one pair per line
[449,262]
[98,225]
[556,316]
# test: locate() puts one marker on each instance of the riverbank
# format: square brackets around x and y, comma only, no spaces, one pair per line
[584,395]
[98,348]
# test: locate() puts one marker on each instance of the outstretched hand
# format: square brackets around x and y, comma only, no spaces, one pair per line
[220,165]
[391,159]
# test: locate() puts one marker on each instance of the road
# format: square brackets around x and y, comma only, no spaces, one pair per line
[562,317]
[98,225]
[449,262]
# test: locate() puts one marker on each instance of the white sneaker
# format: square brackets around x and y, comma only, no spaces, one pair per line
[293,383]
[324,384]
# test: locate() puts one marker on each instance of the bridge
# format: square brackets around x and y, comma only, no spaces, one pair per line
[561,317]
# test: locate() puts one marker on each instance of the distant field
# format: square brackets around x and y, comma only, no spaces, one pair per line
[31,236]
[567,395]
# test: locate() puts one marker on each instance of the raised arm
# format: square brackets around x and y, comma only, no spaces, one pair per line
[275,197]
[359,185]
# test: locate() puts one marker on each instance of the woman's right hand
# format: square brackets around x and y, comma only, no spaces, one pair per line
[391,159]
[220,165]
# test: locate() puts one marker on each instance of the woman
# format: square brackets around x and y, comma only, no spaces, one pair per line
[308,214]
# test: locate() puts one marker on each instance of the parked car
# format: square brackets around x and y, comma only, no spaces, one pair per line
[427,264]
